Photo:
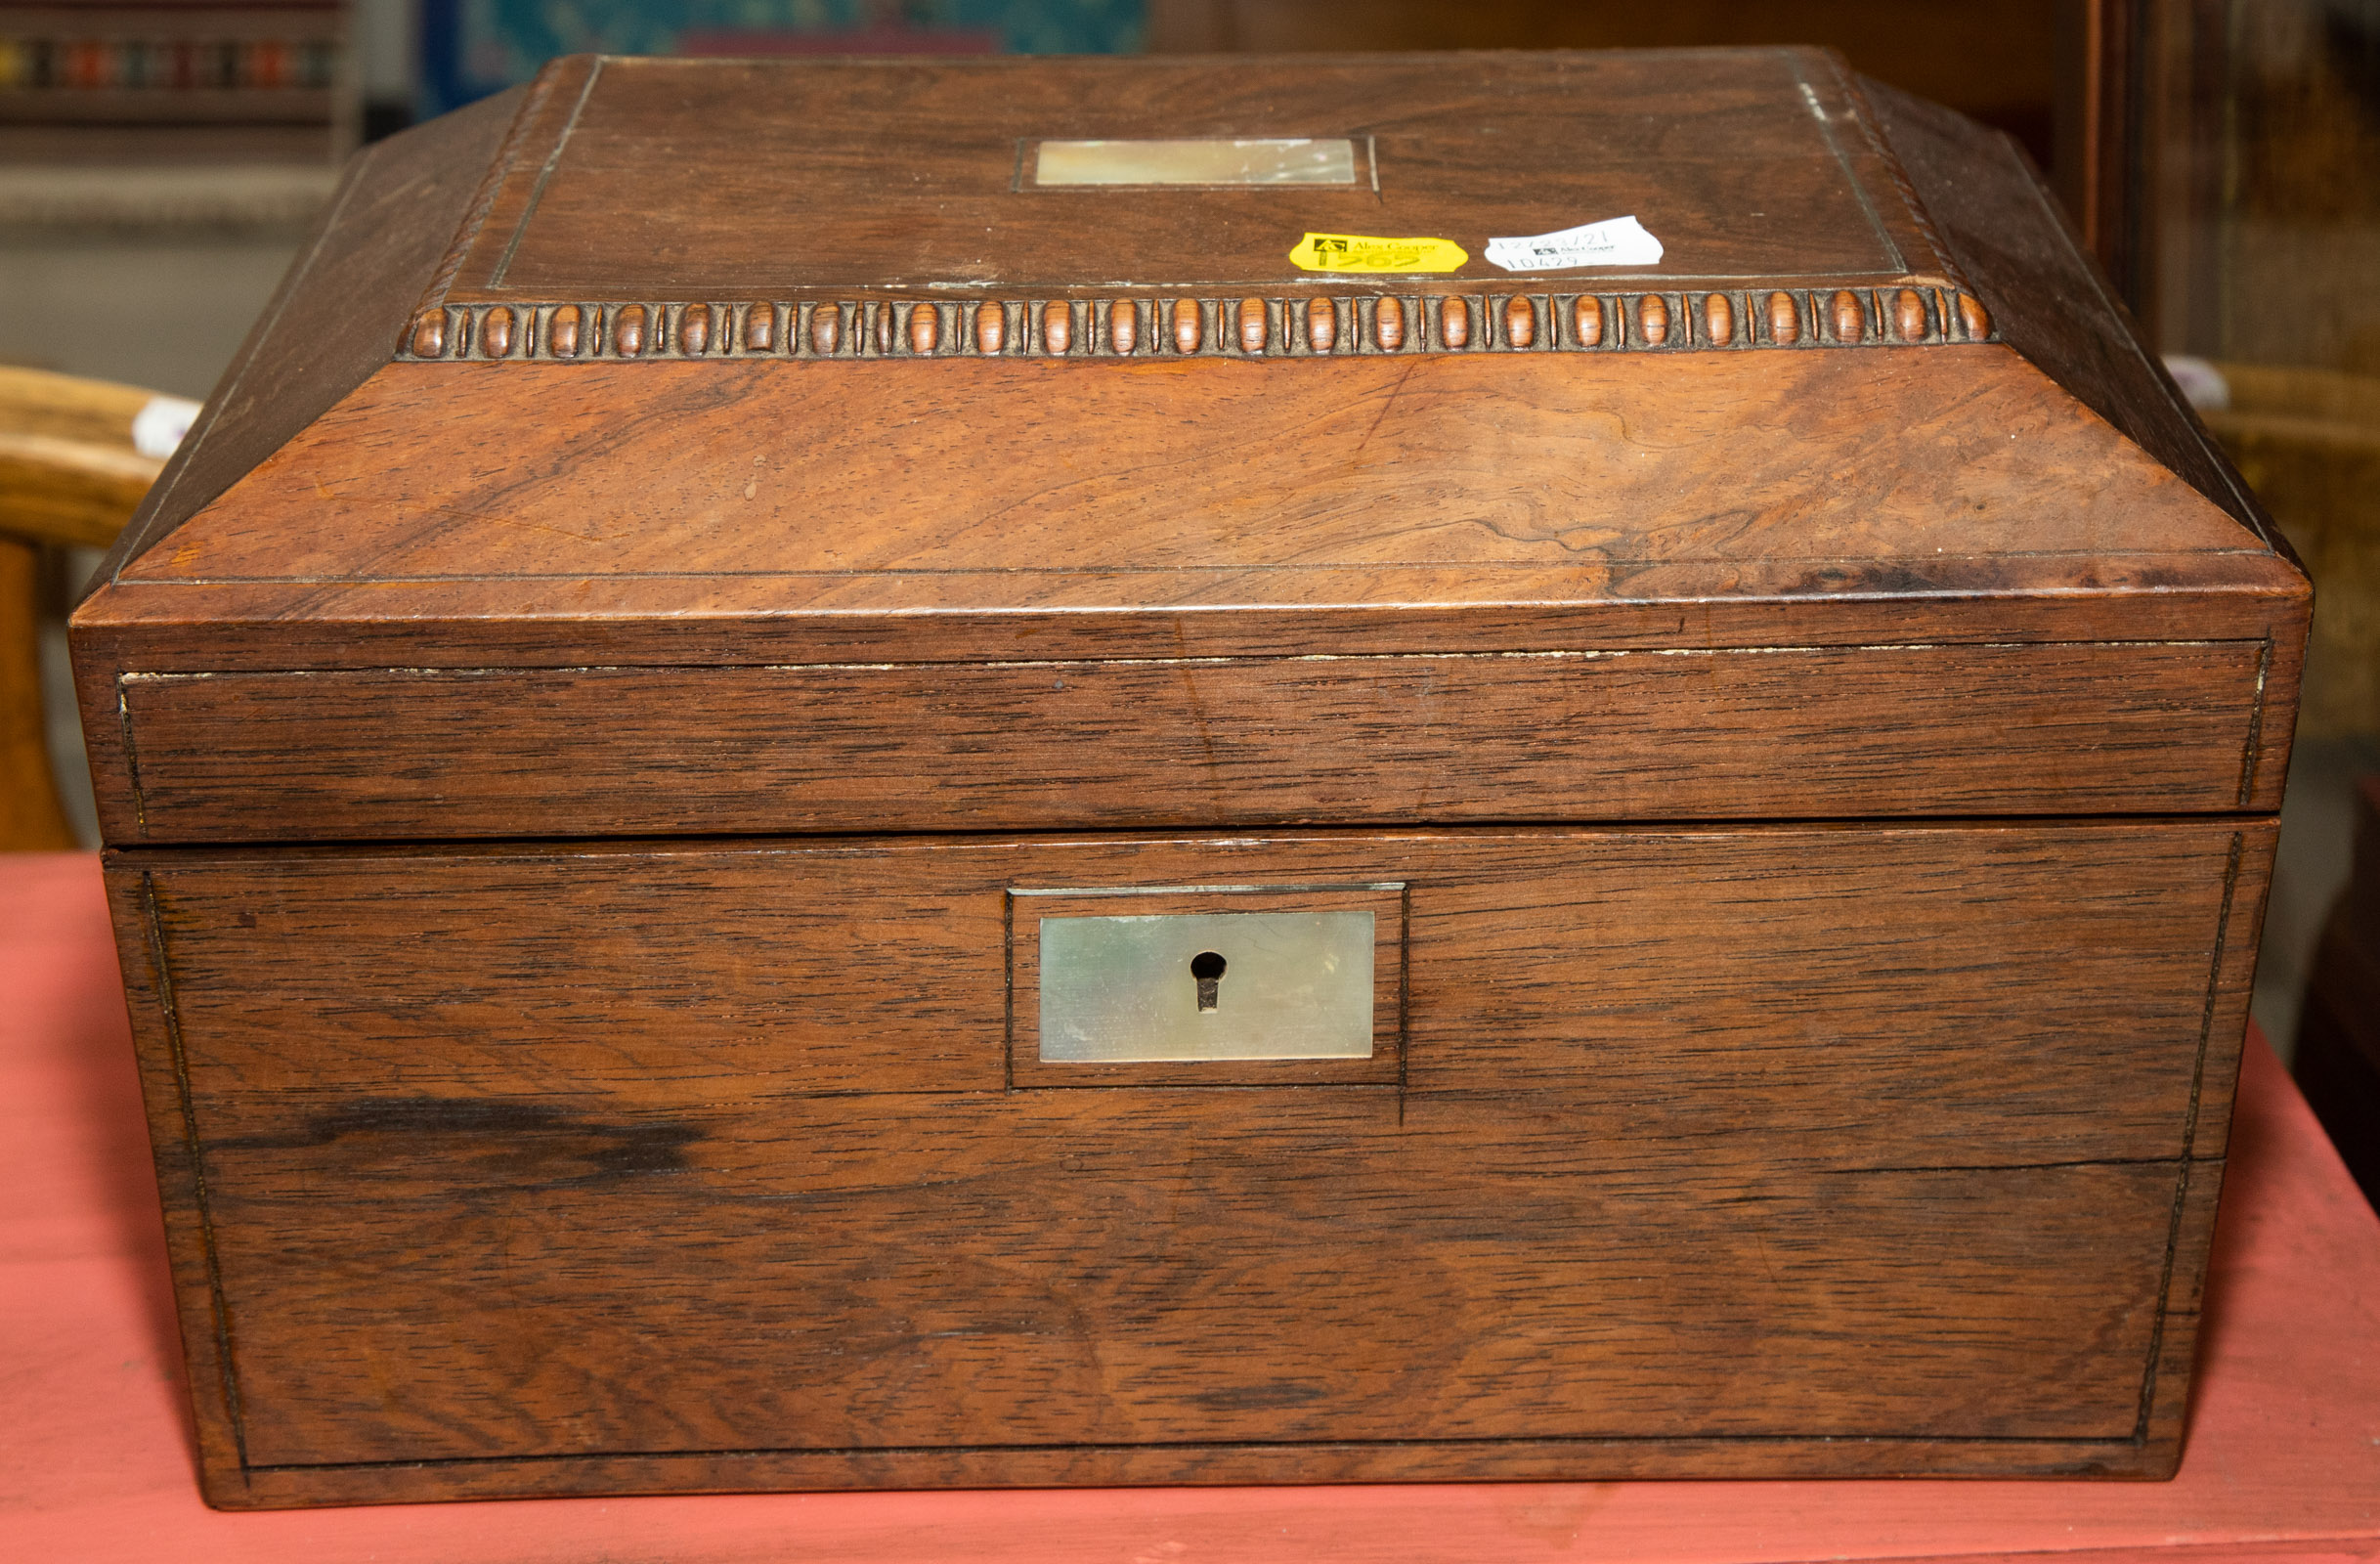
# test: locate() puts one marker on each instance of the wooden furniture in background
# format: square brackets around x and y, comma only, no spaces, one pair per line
[70,475]
[2098,50]
[2233,200]
[2307,441]
[1818,705]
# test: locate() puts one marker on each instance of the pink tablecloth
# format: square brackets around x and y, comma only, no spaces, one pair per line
[2283,1460]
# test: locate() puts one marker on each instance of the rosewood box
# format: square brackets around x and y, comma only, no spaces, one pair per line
[889,773]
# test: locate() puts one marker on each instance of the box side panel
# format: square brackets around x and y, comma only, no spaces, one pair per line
[189,1234]
[1763,732]
[333,322]
[2003,228]
[1948,1227]
[2165,1394]
[2048,301]
[2227,997]
[336,315]
[2283,681]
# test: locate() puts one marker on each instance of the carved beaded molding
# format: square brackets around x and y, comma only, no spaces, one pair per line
[1176,326]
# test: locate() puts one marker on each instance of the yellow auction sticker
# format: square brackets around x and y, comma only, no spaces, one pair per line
[1359,252]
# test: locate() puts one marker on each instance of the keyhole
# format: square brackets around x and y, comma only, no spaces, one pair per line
[1207,968]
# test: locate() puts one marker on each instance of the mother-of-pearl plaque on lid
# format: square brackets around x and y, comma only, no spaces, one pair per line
[1276,160]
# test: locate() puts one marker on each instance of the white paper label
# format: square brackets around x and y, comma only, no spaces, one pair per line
[159,428]
[1613,241]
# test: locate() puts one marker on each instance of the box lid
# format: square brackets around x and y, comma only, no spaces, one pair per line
[667,365]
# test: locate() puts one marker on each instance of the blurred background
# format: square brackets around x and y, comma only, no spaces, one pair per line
[159,160]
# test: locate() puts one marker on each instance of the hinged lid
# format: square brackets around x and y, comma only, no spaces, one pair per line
[809,375]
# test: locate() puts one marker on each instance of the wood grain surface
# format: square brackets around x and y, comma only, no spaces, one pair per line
[910,578]
[1831,788]
[2278,1423]
[609,1193]
[1446,508]
[2009,235]
[632,515]
[1785,733]
[332,320]
[1459,464]
[797,186]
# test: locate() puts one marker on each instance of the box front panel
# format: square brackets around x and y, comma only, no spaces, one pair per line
[1745,1135]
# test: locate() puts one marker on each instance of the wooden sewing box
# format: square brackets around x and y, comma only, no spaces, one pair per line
[706,569]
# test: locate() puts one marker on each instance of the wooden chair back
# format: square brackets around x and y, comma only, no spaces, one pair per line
[70,473]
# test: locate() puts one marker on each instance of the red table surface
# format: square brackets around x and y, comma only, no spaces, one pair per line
[2282,1460]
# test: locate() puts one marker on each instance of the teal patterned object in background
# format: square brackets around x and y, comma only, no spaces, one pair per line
[472,48]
